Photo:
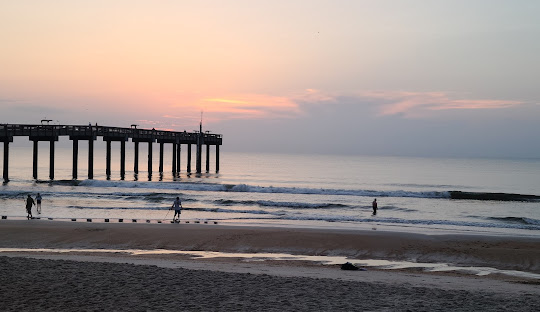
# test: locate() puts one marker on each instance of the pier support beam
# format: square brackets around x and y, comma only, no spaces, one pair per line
[75,158]
[51,160]
[122,160]
[217,158]
[149,159]
[199,156]
[178,150]
[108,160]
[90,159]
[174,159]
[6,161]
[136,160]
[35,160]
[189,158]
[161,157]
[207,158]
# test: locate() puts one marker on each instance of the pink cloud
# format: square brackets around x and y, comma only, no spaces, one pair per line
[416,104]
[314,95]
[187,107]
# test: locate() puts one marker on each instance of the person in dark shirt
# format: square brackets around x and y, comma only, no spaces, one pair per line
[29,203]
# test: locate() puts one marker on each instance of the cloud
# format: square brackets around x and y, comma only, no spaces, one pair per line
[237,106]
[420,104]
[314,95]
[408,104]
[252,106]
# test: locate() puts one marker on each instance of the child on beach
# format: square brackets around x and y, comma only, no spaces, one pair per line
[177,205]
[29,203]
[38,203]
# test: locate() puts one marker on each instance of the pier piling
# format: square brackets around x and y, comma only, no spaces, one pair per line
[108,160]
[189,158]
[5,173]
[136,160]
[149,160]
[161,157]
[35,160]
[174,159]
[207,158]
[217,158]
[178,150]
[90,159]
[51,160]
[75,158]
[122,159]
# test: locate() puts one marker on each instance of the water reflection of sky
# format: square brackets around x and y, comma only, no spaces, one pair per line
[325,260]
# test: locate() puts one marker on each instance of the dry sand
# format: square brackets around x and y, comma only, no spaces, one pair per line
[105,281]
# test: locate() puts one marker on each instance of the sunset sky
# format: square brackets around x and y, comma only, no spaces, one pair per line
[421,78]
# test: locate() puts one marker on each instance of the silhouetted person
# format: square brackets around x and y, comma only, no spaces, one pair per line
[38,203]
[29,203]
[374,204]
[177,205]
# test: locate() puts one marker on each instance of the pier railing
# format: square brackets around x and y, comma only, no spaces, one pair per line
[11,130]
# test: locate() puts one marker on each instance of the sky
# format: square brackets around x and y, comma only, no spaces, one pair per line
[401,78]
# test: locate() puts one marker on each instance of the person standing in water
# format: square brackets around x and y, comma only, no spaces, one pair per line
[374,204]
[177,205]
[38,203]
[29,203]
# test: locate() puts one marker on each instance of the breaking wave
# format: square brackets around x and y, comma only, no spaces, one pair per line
[517,220]
[188,186]
[269,203]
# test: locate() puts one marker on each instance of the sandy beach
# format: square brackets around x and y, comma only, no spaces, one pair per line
[85,281]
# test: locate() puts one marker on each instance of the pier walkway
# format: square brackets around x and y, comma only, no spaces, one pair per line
[76,133]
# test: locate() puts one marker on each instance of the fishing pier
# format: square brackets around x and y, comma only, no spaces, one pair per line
[90,133]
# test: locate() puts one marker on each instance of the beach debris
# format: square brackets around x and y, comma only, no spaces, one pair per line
[351,267]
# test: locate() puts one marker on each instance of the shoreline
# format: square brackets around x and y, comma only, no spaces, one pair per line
[299,224]
[500,252]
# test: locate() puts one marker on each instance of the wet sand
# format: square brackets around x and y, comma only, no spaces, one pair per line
[79,281]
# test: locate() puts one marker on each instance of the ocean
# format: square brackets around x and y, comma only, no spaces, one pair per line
[326,191]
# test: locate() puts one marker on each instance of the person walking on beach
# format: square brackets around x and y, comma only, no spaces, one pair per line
[177,205]
[38,203]
[374,205]
[29,203]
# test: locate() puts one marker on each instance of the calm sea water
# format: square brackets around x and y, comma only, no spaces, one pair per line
[291,190]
